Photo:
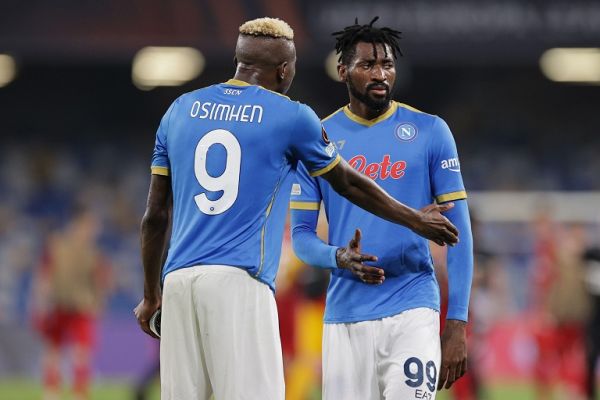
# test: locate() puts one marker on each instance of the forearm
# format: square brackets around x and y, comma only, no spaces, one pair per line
[365,193]
[307,245]
[460,264]
[154,237]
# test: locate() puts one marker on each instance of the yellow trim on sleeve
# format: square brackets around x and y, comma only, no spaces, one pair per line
[443,198]
[305,205]
[160,171]
[327,168]
[371,122]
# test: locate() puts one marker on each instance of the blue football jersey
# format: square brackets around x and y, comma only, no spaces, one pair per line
[230,150]
[412,155]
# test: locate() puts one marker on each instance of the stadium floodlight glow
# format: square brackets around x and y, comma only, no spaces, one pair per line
[166,66]
[8,69]
[575,65]
[331,63]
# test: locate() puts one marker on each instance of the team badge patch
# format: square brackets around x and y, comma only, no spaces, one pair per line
[296,189]
[406,132]
[324,135]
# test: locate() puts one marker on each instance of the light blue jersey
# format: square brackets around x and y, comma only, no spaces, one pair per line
[230,150]
[412,155]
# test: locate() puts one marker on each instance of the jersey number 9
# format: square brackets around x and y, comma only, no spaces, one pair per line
[228,182]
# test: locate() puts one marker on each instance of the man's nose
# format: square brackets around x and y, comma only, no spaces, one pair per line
[377,74]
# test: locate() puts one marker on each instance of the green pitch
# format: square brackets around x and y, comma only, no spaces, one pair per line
[114,390]
[110,390]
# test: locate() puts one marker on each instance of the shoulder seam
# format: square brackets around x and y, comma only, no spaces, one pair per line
[274,92]
[177,100]
[411,108]
[332,114]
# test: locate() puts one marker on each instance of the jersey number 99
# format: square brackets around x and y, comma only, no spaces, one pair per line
[415,371]
[228,182]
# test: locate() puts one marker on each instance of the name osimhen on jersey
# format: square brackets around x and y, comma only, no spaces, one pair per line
[230,150]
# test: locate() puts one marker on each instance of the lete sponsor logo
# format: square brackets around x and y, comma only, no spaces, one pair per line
[383,170]
[451,164]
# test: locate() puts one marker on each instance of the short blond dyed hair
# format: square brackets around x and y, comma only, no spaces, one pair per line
[271,27]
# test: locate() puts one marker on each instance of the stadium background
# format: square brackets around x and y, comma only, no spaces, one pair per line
[75,128]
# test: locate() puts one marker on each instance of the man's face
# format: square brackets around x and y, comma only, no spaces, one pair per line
[370,77]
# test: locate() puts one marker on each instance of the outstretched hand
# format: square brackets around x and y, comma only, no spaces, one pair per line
[350,258]
[435,227]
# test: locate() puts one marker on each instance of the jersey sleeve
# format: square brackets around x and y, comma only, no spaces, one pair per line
[160,157]
[311,145]
[304,207]
[444,165]
[460,263]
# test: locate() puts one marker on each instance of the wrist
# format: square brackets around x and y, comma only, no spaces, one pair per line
[456,324]
[338,254]
[152,294]
[333,257]
[415,219]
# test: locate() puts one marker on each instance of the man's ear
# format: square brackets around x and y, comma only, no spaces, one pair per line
[281,71]
[342,72]
[235,61]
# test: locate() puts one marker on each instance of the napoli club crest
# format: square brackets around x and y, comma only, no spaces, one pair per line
[406,132]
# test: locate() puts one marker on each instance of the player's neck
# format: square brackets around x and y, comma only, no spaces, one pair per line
[254,77]
[362,110]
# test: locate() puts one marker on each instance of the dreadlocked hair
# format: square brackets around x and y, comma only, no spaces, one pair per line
[346,39]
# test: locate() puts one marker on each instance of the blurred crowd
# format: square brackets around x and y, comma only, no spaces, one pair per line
[535,308]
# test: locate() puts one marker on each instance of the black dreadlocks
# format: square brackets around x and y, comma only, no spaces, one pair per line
[346,39]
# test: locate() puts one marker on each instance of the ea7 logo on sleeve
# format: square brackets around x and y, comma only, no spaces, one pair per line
[330,149]
[451,164]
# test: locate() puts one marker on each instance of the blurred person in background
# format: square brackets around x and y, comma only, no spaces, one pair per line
[382,324]
[303,369]
[228,220]
[17,258]
[300,303]
[562,306]
[592,278]
[72,285]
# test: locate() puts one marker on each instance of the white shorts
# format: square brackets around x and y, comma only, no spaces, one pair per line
[219,335]
[394,358]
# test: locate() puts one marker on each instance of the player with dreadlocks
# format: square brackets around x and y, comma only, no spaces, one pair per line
[381,334]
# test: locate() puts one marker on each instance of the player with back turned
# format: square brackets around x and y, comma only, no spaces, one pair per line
[381,335]
[224,157]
